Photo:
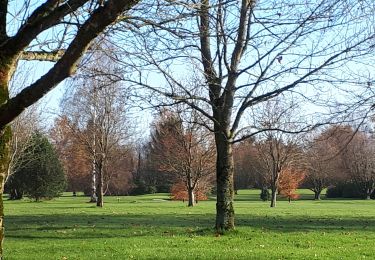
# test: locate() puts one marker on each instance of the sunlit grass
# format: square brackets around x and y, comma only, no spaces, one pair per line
[153,227]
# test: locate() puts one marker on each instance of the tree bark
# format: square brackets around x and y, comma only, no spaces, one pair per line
[100,187]
[273,197]
[225,188]
[7,66]
[191,197]
[191,187]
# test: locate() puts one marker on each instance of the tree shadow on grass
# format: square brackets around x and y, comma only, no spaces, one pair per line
[76,226]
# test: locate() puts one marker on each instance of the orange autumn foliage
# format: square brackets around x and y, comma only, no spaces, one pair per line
[179,192]
[289,181]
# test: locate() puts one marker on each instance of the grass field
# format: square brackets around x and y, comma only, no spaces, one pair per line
[152,227]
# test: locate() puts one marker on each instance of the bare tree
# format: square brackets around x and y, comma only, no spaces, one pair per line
[184,148]
[98,111]
[360,161]
[278,147]
[322,161]
[243,53]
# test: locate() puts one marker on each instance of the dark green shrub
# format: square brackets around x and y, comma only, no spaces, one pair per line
[42,177]
[344,190]
[265,194]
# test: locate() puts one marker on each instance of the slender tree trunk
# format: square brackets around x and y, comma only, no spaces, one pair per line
[190,191]
[100,188]
[225,188]
[273,197]
[93,197]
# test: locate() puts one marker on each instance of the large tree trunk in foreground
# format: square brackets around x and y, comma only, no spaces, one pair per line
[5,137]
[225,188]
[7,66]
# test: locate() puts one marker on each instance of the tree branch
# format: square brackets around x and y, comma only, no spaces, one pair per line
[53,56]
[98,21]
[3,19]
[43,18]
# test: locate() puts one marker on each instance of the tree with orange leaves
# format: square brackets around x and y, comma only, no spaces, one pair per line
[182,148]
[179,191]
[289,181]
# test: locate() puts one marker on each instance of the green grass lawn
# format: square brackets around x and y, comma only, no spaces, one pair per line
[152,227]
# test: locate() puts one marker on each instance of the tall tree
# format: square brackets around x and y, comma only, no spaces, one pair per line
[73,155]
[243,53]
[278,147]
[359,159]
[183,149]
[97,109]
[322,163]
[84,20]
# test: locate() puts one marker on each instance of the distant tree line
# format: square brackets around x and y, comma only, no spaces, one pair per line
[340,159]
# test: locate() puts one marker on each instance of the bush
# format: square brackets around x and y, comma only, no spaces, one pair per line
[343,190]
[265,194]
[141,188]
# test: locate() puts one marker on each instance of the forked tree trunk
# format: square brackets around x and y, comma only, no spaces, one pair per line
[317,194]
[191,197]
[273,197]
[368,193]
[225,188]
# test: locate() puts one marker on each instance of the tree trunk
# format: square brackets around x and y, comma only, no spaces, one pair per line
[6,69]
[93,197]
[5,137]
[273,197]
[191,197]
[190,190]
[317,194]
[225,188]
[100,189]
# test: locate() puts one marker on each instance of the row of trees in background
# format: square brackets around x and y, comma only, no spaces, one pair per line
[180,158]
[339,159]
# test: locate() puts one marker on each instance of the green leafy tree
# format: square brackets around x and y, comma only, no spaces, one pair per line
[43,177]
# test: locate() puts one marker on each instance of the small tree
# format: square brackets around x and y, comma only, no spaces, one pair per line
[179,191]
[289,181]
[42,178]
